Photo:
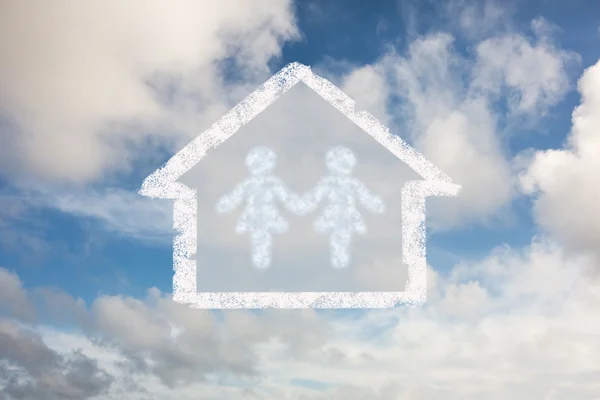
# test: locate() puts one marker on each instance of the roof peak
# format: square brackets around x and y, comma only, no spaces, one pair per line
[163,182]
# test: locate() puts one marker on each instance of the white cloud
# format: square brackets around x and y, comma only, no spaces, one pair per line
[37,372]
[448,105]
[13,297]
[534,74]
[564,182]
[70,71]
[115,210]
[451,128]
[497,328]
[119,211]
[444,109]
[368,87]
[441,351]
[481,18]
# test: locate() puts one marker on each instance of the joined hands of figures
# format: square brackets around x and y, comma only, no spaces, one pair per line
[340,219]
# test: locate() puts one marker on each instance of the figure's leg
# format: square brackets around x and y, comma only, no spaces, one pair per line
[261,249]
[340,248]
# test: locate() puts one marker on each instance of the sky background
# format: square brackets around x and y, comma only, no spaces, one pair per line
[502,96]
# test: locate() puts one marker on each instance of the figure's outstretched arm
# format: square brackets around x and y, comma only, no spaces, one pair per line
[289,199]
[232,200]
[370,201]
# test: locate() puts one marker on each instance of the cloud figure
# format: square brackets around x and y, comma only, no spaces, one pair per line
[341,219]
[260,219]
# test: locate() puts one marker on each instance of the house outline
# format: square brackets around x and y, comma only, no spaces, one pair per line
[163,184]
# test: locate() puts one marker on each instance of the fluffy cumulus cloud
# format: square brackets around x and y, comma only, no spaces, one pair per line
[564,182]
[445,102]
[80,84]
[88,91]
[34,371]
[532,75]
[519,324]
[450,102]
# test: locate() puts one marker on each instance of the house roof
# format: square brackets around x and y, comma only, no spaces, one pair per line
[163,182]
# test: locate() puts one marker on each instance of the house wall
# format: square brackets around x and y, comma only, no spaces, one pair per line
[300,127]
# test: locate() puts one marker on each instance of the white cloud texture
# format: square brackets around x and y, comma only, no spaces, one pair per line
[519,324]
[564,182]
[70,71]
[448,104]
[531,74]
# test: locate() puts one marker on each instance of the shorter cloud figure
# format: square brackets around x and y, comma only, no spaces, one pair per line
[341,218]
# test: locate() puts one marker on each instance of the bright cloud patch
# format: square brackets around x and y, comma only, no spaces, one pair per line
[82,83]
[565,181]
[499,327]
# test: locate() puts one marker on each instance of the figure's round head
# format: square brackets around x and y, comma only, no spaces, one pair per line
[260,160]
[340,160]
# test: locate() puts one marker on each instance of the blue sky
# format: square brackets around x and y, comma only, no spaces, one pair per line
[62,228]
